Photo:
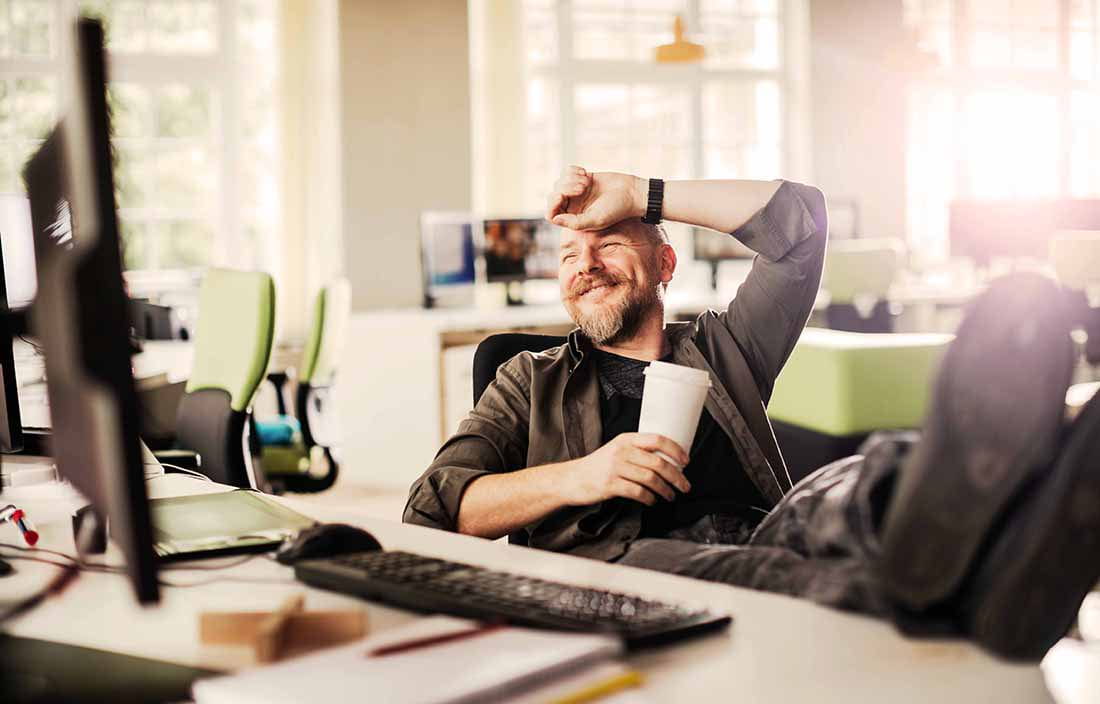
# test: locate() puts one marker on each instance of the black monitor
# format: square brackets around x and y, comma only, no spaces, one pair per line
[517,249]
[80,314]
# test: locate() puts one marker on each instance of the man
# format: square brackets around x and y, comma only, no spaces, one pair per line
[551,448]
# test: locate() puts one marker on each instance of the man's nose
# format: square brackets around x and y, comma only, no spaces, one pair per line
[589,260]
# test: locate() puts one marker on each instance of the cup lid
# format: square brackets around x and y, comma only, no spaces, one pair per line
[678,372]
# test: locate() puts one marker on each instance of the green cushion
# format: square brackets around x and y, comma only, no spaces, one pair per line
[326,337]
[861,268]
[284,460]
[233,335]
[846,383]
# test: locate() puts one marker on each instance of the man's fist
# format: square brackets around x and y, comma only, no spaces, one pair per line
[630,467]
[581,200]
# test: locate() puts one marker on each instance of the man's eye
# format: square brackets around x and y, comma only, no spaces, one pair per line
[569,257]
[605,245]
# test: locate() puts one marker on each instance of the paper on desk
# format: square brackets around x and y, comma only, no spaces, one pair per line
[496,665]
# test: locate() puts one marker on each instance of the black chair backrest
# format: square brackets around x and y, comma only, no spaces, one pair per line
[495,350]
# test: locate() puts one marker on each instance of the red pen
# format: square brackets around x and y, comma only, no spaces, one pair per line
[429,641]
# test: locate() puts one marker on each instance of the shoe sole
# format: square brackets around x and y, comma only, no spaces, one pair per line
[994,417]
[1042,570]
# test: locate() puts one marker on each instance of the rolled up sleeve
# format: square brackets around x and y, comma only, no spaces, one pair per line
[492,439]
[775,301]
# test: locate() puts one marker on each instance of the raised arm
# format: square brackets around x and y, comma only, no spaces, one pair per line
[784,222]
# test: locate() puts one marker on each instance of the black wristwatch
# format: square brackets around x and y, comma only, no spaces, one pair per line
[655,203]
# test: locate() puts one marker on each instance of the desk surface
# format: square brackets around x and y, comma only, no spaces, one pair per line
[778,649]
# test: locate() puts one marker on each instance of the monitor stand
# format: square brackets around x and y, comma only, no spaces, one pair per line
[515,293]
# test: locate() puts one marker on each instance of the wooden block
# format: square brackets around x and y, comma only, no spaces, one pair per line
[289,631]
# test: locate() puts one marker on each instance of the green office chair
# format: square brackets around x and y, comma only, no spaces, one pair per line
[295,447]
[232,347]
[858,275]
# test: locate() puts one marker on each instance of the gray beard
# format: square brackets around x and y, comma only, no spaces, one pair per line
[619,321]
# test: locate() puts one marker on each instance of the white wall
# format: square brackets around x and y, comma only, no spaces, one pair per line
[858,108]
[405,84]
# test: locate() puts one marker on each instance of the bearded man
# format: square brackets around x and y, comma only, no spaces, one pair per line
[970,538]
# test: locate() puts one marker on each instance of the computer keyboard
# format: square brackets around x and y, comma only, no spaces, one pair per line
[434,585]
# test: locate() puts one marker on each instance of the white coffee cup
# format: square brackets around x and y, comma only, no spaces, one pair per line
[672,401]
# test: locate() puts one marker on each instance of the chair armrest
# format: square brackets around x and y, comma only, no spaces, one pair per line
[188,459]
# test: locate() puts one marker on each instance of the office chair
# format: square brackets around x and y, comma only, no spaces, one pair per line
[494,351]
[293,445]
[233,336]
[858,275]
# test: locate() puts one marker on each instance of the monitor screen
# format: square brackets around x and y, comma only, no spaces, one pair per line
[447,249]
[17,249]
[520,248]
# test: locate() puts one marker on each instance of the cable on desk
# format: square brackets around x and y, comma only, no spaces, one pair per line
[56,585]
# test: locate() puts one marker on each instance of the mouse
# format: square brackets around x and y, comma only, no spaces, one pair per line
[326,540]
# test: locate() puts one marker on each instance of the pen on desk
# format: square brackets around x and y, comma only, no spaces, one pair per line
[599,690]
[429,641]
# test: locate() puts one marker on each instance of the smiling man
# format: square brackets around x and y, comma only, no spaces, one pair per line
[552,449]
[977,528]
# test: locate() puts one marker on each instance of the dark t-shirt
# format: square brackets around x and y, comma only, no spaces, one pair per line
[718,482]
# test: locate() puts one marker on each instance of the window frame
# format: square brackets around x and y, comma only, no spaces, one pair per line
[205,70]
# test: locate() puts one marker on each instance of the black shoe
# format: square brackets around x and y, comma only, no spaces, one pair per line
[1029,586]
[993,420]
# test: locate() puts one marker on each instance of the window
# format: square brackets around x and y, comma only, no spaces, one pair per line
[191,93]
[595,95]
[1009,109]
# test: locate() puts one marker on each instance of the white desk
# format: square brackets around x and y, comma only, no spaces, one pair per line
[778,649]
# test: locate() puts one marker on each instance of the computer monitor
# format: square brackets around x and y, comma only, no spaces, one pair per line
[985,230]
[447,258]
[80,314]
[517,249]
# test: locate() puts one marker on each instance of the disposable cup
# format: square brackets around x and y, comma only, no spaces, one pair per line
[672,401]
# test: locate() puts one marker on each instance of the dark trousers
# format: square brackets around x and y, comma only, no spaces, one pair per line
[819,542]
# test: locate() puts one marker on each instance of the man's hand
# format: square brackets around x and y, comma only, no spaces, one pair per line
[630,467]
[581,200]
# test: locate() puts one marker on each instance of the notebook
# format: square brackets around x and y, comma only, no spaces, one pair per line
[499,664]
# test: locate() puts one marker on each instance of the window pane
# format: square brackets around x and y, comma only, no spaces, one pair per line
[34,105]
[5,28]
[1081,51]
[1023,34]
[642,128]
[184,244]
[543,153]
[134,170]
[540,31]
[123,22]
[31,28]
[6,118]
[736,36]
[131,110]
[184,177]
[135,254]
[624,30]
[182,111]
[1011,145]
[1085,145]
[177,26]
[742,129]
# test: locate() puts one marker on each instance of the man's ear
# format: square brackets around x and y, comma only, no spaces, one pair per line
[668,263]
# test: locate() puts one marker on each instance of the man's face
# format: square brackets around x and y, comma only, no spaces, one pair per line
[611,280]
